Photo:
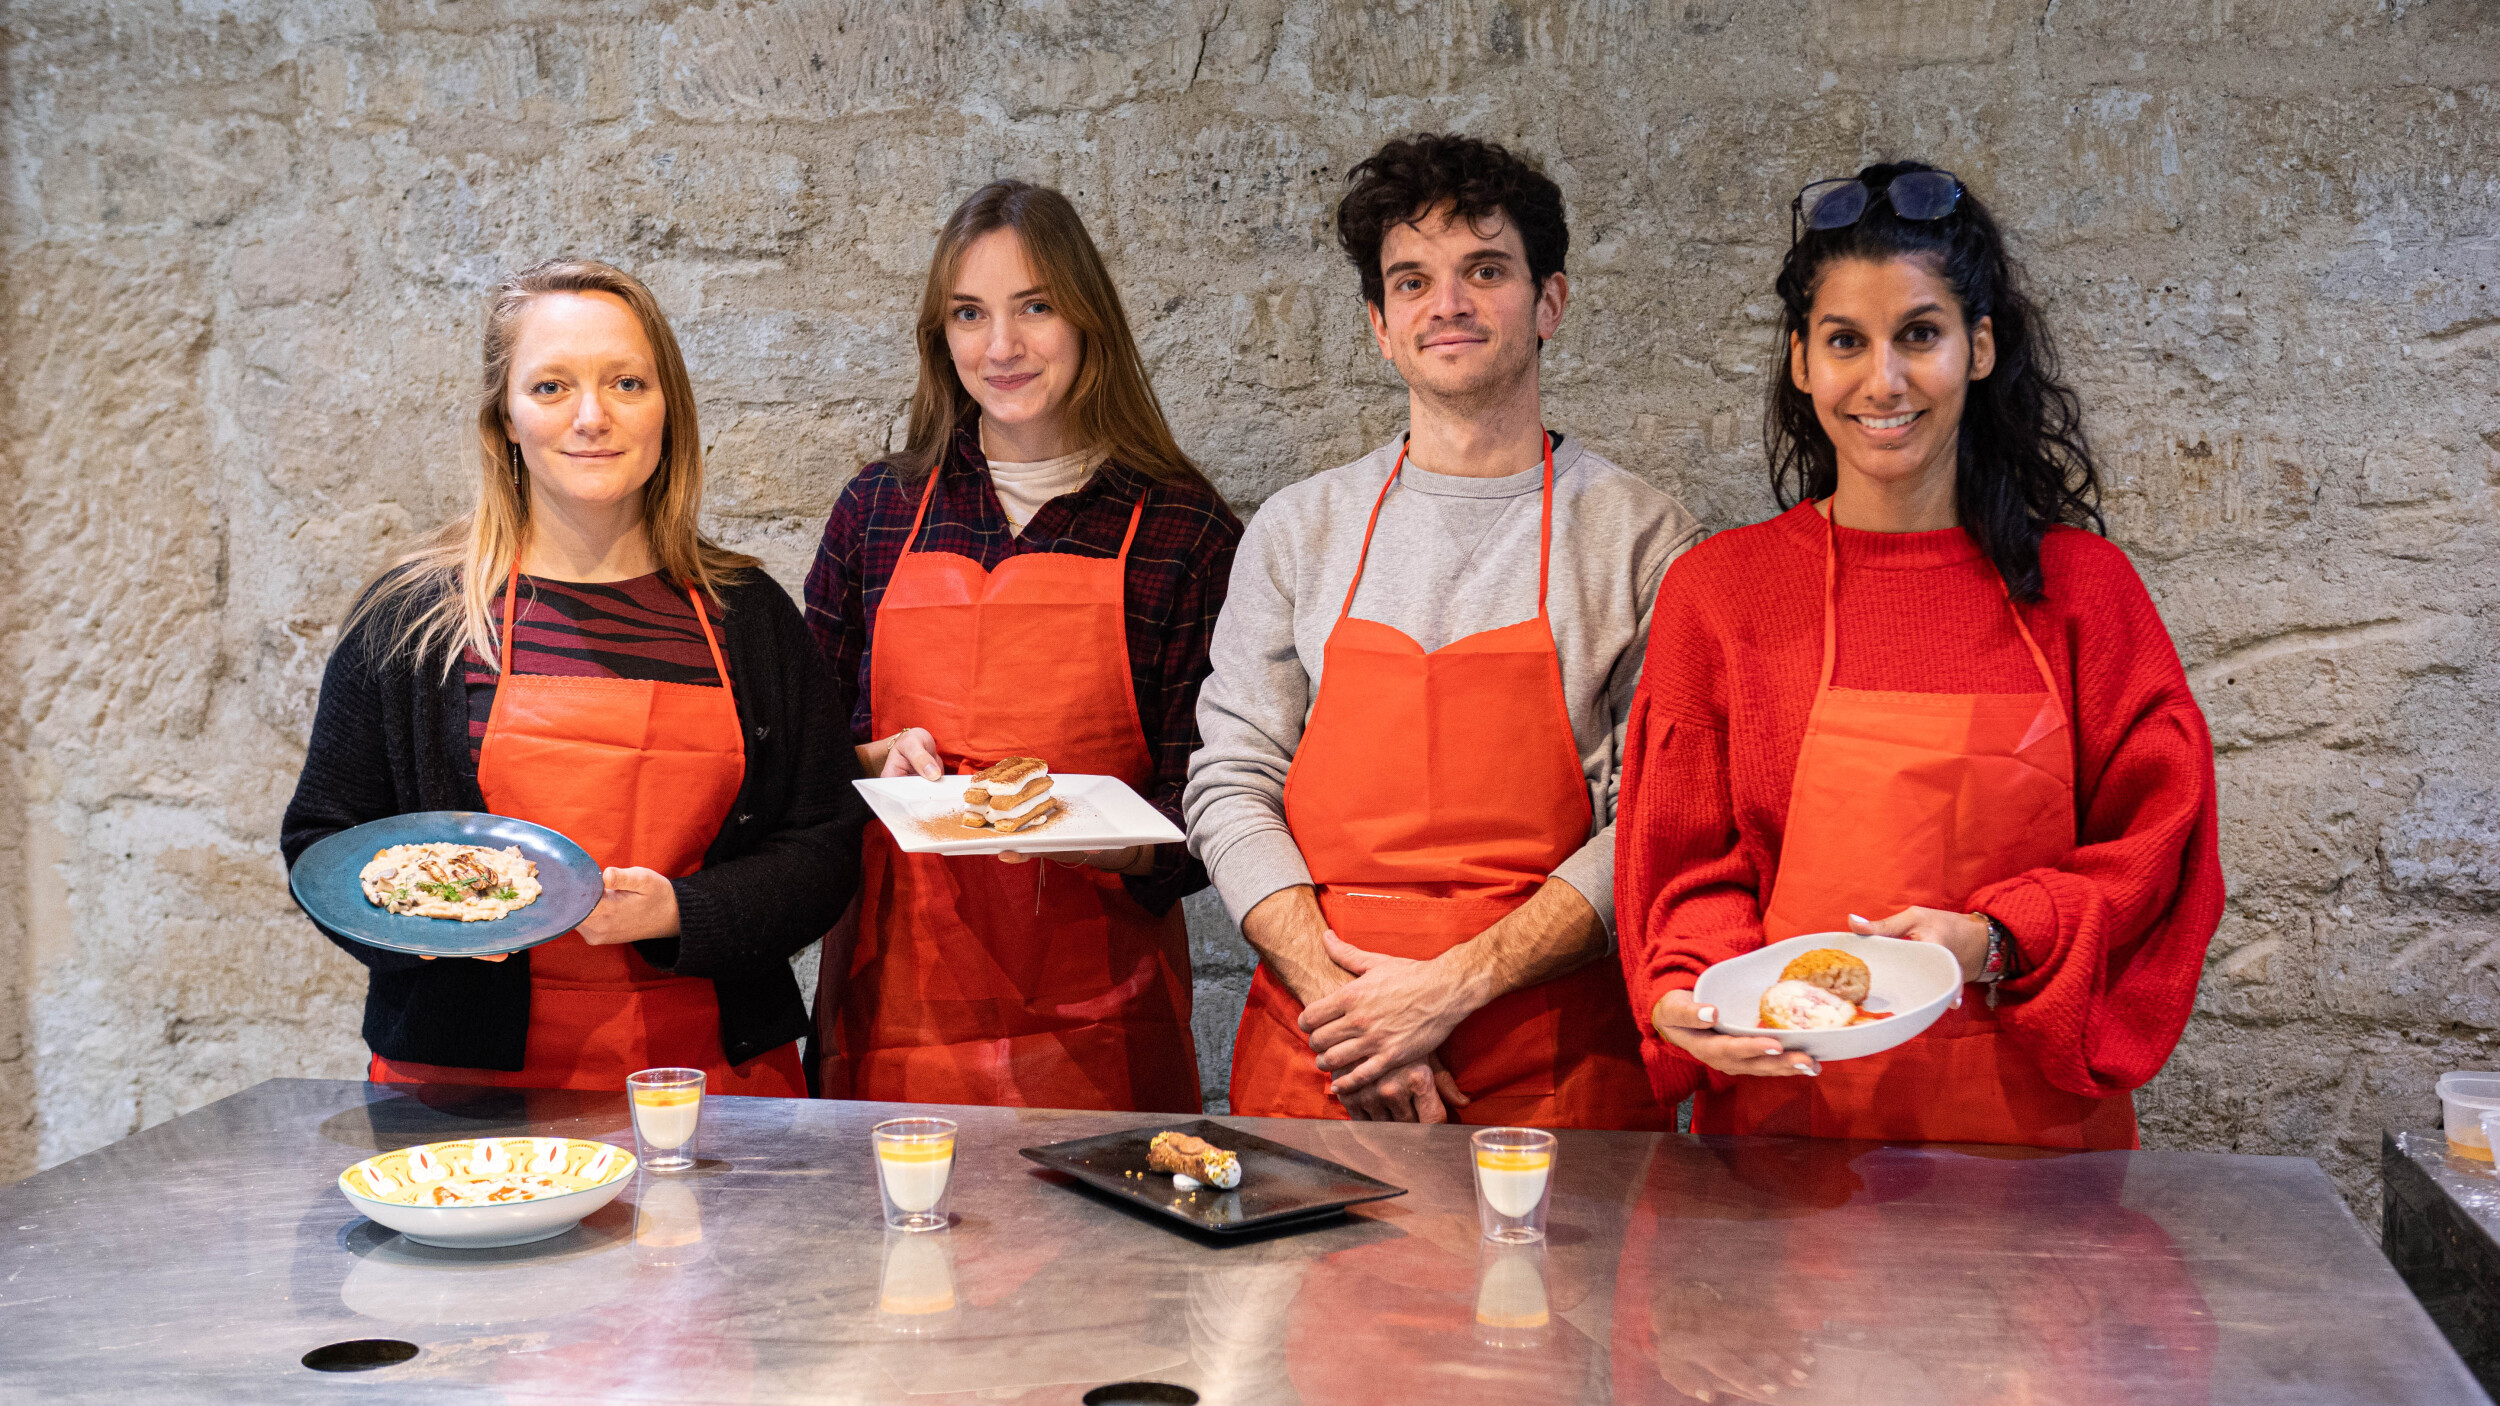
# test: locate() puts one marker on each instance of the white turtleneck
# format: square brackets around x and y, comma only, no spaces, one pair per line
[1024,488]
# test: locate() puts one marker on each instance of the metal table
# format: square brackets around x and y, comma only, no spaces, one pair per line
[202,1258]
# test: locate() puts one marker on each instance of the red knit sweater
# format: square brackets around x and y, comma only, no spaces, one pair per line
[2109,944]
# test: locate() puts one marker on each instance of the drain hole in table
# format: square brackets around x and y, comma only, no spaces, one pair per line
[365,1354]
[1141,1394]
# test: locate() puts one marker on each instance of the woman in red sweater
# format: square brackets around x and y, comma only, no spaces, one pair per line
[1924,702]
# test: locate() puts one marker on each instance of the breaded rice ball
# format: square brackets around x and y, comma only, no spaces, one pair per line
[1835,971]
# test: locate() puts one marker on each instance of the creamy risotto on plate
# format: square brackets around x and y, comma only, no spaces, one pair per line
[470,883]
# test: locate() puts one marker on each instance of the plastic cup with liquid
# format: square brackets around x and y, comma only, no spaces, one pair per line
[2489,1118]
[668,1116]
[2463,1099]
[915,1164]
[1514,1181]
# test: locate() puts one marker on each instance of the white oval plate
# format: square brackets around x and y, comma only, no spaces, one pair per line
[1913,980]
[489,1227]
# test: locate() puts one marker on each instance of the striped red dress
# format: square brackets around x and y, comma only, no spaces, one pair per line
[643,628]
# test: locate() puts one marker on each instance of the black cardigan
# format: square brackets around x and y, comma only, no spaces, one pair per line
[391,738]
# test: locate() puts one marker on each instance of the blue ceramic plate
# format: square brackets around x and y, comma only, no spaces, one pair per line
[324,882]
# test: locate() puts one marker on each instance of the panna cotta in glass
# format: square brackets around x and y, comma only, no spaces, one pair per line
[668,1116]
[1514,1176]
[1513,1181]
[915,1162]
[668,1113]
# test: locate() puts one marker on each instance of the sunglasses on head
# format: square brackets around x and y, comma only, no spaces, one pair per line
[1840,202]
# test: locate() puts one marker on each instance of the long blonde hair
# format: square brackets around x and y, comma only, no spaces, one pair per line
[449,591]
[1111,406]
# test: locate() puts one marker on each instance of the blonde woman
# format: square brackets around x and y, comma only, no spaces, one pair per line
[1036,574]
[576,653]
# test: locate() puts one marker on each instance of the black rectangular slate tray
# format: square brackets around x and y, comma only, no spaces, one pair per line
[1279,1184]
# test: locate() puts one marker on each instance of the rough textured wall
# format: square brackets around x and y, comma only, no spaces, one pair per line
[245,242]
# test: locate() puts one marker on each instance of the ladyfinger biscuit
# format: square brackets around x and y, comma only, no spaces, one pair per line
[1035,787]
[1007,775]
[977,798]
[975,820]
[1027,821]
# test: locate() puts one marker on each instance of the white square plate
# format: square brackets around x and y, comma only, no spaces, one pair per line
[1102,813]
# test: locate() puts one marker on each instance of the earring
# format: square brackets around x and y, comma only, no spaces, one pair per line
[514,452]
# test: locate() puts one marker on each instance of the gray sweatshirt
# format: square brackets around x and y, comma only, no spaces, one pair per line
[1453,556]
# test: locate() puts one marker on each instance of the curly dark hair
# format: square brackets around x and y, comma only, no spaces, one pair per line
[2024,463]
[1412,176]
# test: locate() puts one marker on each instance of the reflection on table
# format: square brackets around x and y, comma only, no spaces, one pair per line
[1673,1267]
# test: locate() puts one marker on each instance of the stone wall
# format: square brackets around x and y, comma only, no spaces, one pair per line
[246,240]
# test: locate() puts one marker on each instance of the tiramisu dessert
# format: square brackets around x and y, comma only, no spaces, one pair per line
[1009,796]
[1820,991]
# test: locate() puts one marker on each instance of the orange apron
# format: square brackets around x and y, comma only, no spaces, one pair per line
[640,774]
[1432,794]
[1032,985]
[1921,799]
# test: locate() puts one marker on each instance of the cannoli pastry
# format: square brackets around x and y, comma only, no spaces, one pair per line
[1835,971]
[1194,1158]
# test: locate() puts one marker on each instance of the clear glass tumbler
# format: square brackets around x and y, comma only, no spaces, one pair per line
[915,1163]
[668,1116]
[1514,1181]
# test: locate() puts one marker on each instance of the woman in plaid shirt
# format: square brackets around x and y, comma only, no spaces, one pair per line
[1038,573]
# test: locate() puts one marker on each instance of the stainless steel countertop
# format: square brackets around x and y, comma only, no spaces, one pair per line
[201,1258]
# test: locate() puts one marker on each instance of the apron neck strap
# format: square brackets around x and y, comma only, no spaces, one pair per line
[1545,529]
[710,641]
[511,595]
[1831,608]
[511,591]
[1545,523]
[1136,514]
[927,489]
[1831,589]
[2040,661]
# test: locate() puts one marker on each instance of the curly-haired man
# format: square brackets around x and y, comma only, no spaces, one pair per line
[1421,676]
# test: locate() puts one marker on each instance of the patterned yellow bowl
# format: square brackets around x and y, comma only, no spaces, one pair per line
[479,1193]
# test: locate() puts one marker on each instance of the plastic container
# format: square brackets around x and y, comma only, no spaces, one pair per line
[2490,1120]
[2463,1098]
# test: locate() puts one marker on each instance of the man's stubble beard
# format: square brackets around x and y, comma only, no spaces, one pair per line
[1496,387]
